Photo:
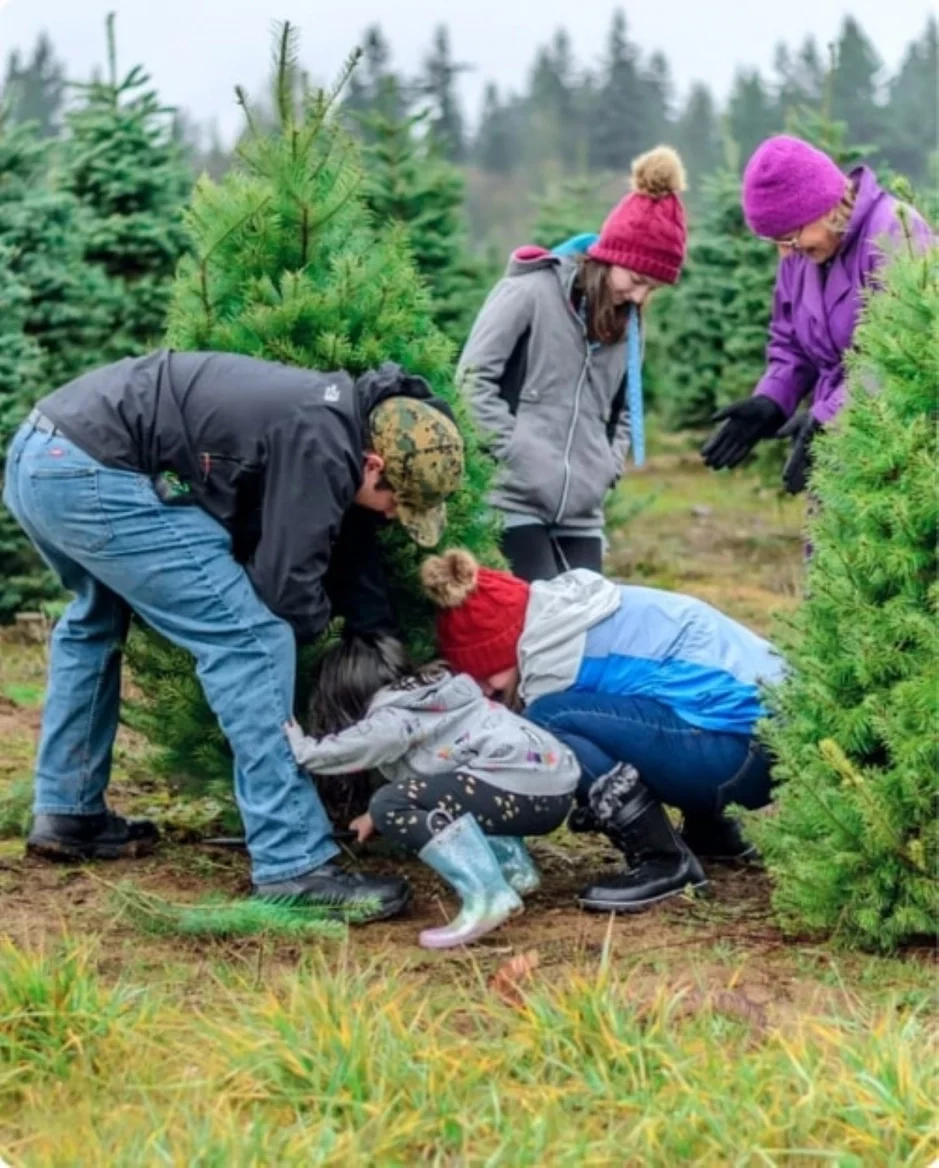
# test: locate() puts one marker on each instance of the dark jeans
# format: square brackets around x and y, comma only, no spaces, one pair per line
[401,810]
[535,554]
[699,771]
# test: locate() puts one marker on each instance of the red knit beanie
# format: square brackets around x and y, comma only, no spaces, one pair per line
[646,231]
[482,612]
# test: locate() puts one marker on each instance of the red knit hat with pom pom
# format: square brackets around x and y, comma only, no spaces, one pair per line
[482,612]
[646,232]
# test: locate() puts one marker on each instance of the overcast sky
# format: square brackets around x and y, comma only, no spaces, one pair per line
[197,50]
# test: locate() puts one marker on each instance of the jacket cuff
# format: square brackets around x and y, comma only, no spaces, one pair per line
[782,393]
[824,411]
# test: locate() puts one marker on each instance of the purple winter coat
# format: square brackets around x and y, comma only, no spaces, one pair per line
[814,317]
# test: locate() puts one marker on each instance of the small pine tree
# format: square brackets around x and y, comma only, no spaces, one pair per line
[287,265]
[407,182]
[52,324]
[123,163]
[854,846]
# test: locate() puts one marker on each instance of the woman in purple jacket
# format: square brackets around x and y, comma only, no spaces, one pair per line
[833,232]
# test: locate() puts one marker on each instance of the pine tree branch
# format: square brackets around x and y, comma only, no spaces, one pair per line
[304,235]
[285,72]
[112,54]
[241,97]
[206,257]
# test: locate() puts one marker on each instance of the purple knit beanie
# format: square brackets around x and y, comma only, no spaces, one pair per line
[787,185]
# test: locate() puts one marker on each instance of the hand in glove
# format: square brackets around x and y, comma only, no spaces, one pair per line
[744,424]
[801,428]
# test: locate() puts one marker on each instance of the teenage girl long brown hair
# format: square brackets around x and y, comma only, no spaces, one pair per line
[606,320]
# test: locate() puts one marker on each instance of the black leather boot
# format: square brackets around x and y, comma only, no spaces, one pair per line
[348,895]
[660,863]
[718,839]
[582,820]
[74,838]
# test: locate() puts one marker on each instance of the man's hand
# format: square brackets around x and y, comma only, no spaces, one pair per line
[744,424]
[363,826]
[801,428]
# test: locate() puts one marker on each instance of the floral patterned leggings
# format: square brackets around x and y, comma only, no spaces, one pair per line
[409,812]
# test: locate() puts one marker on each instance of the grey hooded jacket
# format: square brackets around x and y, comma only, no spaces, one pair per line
[550,403]
[438,728]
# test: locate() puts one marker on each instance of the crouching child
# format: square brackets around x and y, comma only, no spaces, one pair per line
[466,777]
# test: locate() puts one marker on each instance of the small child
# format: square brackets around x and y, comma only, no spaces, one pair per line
[466,776]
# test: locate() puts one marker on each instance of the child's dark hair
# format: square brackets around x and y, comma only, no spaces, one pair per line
[349,674]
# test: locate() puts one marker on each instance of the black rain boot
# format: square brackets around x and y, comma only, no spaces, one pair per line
[718,839]
[75,838]
[348,895]
[660,864]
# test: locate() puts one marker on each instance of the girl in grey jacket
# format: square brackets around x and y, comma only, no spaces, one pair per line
[545,367]
[466,777]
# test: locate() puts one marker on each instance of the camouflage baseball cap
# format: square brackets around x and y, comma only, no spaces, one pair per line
[423,455]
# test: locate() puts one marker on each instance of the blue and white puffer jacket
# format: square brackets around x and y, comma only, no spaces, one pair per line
[585,633]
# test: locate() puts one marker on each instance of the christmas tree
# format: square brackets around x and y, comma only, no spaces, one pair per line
[51,323]
[407,182]
[853,848]
[287,264]
[124,165]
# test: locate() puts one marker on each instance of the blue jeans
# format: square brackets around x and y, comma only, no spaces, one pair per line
[118,548]
[699,771]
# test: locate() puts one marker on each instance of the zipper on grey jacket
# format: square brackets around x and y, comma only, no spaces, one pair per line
[565,490]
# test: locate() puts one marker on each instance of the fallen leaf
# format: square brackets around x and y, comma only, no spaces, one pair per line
[506,983]
[731,1003]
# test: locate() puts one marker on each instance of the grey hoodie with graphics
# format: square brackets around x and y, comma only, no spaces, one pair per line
[549,401]
[439,728]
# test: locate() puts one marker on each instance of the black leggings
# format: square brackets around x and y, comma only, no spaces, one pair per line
[535,554]
[401,810]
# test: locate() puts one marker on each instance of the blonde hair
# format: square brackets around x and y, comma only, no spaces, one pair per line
[839,217]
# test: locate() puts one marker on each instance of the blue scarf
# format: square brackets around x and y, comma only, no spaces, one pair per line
[637,428]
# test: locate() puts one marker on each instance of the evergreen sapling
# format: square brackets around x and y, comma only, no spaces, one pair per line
[854,845]
[287,264]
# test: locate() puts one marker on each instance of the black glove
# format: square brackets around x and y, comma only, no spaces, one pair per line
[801,428]
[745,423]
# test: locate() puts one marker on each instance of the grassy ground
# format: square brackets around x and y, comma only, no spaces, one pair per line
[695,1033]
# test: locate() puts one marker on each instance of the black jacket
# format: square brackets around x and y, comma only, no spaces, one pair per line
[273,452]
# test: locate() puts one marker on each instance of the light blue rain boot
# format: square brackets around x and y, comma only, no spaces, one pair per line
[517,866]
[461,854]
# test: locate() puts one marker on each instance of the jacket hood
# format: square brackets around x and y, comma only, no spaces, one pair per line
[390,380]
[560,613]
[449,691]
[531,258]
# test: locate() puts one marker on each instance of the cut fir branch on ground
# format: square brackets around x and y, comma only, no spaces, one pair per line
[216,917]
